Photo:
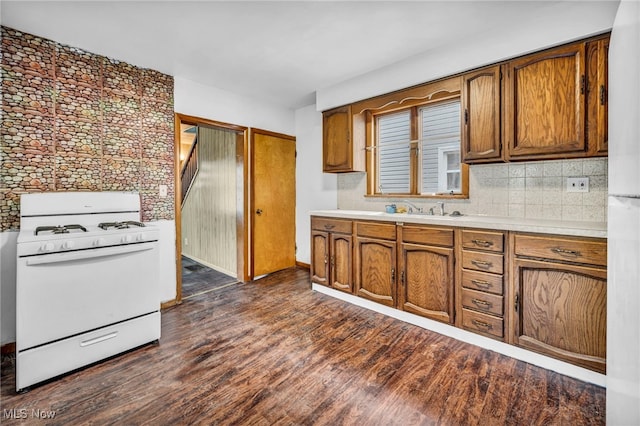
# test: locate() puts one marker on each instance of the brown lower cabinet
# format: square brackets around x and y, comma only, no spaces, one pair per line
[561,298]
[544,293]
[375,262]
[331,259]
[426,265]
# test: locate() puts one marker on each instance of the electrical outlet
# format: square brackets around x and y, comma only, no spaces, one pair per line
[186,241]
[162,190]
[578,184]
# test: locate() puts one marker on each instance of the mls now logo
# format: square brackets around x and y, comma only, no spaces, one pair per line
[23,413]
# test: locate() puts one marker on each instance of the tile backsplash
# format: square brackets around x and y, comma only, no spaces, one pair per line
[76,121]
[534,190]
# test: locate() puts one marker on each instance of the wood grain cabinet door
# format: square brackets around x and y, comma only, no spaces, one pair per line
[341,262]
[376,270]
[427,281]
[481,141]
[561,311]
[319,257]
[598,99]
[337,149]
[545,99]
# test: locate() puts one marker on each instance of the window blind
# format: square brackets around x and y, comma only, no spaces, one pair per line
[394,134]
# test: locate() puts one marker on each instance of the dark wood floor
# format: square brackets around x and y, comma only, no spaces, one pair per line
[198,278]
[275,352]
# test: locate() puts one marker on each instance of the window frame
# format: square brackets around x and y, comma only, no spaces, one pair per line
[412,100]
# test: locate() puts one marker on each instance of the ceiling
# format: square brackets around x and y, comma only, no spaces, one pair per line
[278,52]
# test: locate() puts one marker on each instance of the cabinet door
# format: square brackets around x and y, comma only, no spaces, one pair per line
[481,140]
[376,270]
[426,281]
[562,311]
[341,273]
[337,148]
[545,104]
[320,257]
[597,99]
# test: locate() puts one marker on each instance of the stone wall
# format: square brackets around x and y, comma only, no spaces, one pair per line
[76,121]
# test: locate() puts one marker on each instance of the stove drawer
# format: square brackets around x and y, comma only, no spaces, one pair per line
[44,362]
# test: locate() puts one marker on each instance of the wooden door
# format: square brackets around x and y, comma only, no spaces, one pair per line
[427,281]
[562,311]
[274,202]
[337,150]
[320,257]
[481,102]
[341,262]
[545,104]
[597,99]
[376,270]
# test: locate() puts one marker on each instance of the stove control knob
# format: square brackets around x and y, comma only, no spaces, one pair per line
[99,242]
[127,238]
[140,237]
[47,247]
[68,245]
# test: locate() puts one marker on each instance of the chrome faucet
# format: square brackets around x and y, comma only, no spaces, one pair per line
[440,208]
[412,206]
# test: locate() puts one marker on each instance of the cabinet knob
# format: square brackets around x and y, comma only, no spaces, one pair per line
[259,212]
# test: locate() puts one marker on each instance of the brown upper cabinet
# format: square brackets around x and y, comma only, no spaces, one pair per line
[338,151]
[545,100]
[481,141]
[597,96]
[547,105]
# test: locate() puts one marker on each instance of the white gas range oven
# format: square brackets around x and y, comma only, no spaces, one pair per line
[86,283]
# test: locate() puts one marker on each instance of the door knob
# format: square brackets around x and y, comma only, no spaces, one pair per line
[259,212]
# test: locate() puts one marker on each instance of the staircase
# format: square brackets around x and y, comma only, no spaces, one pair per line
[189,170]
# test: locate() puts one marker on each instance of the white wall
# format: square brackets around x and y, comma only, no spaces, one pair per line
[558,23]
[314,190]
[208,102]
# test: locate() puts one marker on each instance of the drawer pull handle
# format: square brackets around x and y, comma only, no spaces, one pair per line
[565,252]
[98,339]
[481,283]
[482,303]
[328,226]
[393,275]
[482,324]
[482,243]
[482,264]
[333,261]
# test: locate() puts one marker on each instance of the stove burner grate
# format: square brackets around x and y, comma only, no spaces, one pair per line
[120,225]
[60,229]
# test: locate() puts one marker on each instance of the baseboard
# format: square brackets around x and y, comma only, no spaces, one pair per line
[8,348]
[303,265]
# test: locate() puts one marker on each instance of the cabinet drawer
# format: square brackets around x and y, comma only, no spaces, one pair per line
[482,240]
[486,262]
[483,282]
[385,231]
[429,236]
[567,249]
[483,323]
[331,225]
[480,301]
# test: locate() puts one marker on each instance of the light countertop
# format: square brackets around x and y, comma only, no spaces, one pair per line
[543,226]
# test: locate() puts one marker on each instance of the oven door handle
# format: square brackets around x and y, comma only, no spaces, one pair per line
[89,253]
